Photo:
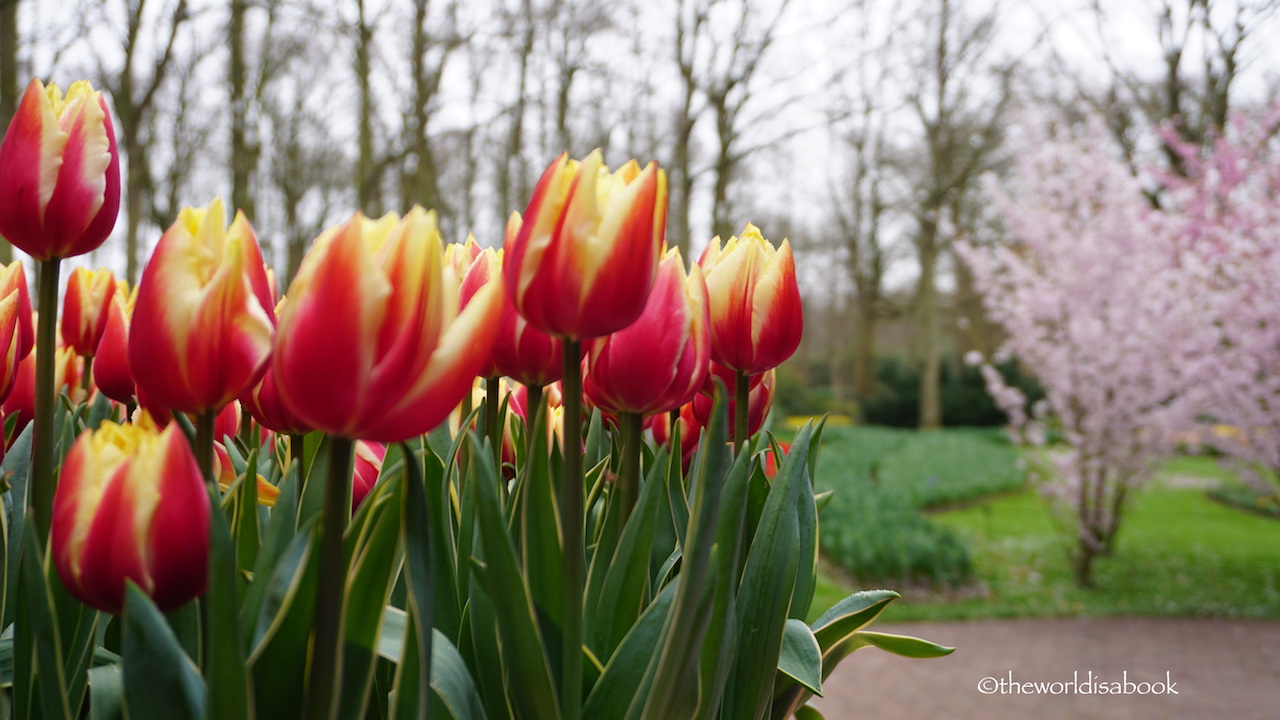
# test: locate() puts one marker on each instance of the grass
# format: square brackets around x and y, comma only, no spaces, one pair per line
[1178,554]
[882,477]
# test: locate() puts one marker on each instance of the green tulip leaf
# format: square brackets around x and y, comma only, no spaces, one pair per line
[160,681]
[801,658]
[106,693]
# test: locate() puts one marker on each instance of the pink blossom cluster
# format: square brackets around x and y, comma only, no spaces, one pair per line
[1225,223]
[1095,296]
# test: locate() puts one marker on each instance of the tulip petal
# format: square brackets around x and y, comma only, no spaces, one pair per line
[448,376]
[325,348]
[178,535]
[82,178]
[31,157]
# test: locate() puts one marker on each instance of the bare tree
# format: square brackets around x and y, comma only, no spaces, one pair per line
[368,177]
[430,50]
[960,98]
[862,199]
[134,92]
[1205,45]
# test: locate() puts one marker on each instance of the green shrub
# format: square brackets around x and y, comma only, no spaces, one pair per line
[938,468]
[964,397]
[882,477]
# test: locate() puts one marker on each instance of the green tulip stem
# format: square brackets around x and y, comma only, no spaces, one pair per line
[86,376]
[492,423]
[204,460]
[629,476]
[741,404]
[571,531]
[326,659]
[43,482]
[296,443]
[247,433]
[533,411]
[204,444]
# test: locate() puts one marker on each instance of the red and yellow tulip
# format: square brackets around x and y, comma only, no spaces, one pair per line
[372,344]
[85,309]
[203,324]
[131,504]
[586,255]
[520,351]
[67,369]
[756,317]
[111,370]
[17,333]
[265,403]
[660,361]
[368,465]
[59,172]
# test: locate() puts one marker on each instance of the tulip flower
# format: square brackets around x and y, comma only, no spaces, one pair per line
[586,255]
[225,473]
[756,318]
[227,422]
[582,266]
[371,343]
[690,432]
[368,465]
[131,505]
[22,396]
[265,403]
[85,308]
[372,346]
[59,172]
[17,333]
[111,370]
[659,362]
[521,351]
[203,324]
[459,257]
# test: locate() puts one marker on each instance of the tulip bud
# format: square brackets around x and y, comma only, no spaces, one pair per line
[66,378]
[690,432]
[659,362]
[131,505]
[368,465]
[111,370]
[85,309]
[520,352]
[202,328]
[16,334]
[587,252]
[59,172]
[756,318]
[225,473]
[372,344]
[264,401]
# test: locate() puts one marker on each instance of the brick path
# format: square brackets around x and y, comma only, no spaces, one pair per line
[1224,670]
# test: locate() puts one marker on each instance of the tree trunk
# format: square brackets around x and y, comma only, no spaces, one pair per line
[367,185]
[929,327]
[1082,563]
[9,91]
[135,182]
[241,155]
[864,352]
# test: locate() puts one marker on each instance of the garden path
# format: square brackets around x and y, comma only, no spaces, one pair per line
[1223,670]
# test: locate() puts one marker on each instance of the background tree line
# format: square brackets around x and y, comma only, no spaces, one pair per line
[858,128]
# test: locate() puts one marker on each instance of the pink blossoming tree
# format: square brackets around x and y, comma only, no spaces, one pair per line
[1091,294]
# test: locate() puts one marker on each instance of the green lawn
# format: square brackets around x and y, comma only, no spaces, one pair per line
[1178,554]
